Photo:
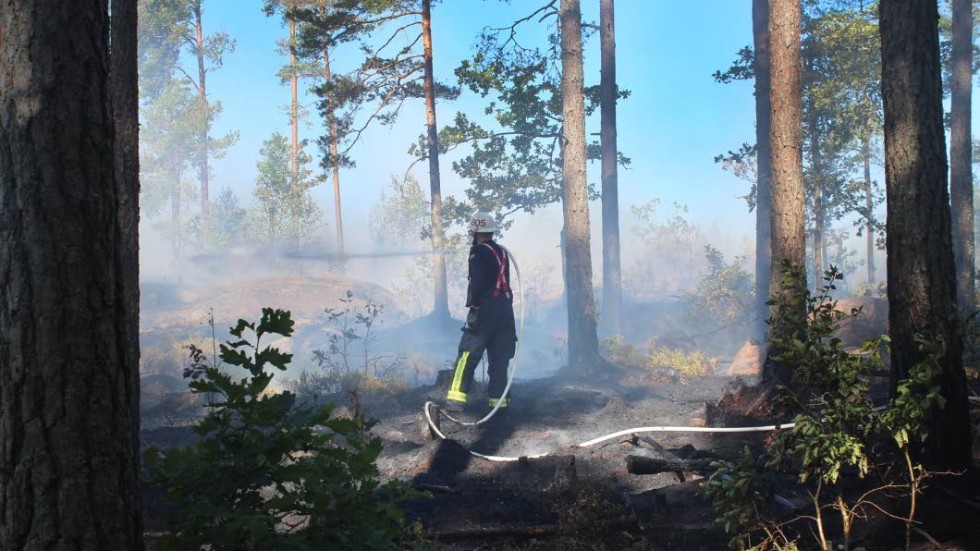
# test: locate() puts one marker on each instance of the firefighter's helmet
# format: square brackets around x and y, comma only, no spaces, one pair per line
[483,222]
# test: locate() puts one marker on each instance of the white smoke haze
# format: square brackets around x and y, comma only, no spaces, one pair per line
[236,282]
[674,201]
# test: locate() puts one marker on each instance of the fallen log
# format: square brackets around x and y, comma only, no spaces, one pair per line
[640,464]
[496,532]
[669,455]
[438,488]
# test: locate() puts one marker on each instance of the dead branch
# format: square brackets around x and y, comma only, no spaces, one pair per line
[639,464]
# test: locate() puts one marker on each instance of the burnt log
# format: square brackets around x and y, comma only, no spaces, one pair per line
[640,464]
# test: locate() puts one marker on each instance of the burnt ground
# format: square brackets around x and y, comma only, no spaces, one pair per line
[573,498]
[585,498]
[572,495]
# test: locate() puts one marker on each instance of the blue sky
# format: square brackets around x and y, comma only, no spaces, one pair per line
[672,126]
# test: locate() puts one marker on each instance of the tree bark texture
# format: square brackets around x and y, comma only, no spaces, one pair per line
[786,140]
[612,278]
[921,275]
[440,306]
[960,150]
[68,373]
[583,341]
[763,202]
[124,86]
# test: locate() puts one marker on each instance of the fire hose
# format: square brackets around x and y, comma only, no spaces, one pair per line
[433,426]
[510,379]
[594,441]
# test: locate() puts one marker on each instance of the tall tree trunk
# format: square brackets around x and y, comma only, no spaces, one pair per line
[612,279]
[763,201]
[870,205]
[583,341]
[818,206]
[68,380]
[202,97]
[294,122]
[960,149]
[175,200]
[786,139]
[124,87]
[921,274]
[332,131]
[440,306]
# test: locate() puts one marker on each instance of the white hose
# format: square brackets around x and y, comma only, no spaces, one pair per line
[510,379]
[594,441]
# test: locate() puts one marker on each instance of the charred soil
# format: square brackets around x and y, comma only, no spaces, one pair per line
[542,490]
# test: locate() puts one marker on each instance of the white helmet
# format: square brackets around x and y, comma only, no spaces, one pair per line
[483,222]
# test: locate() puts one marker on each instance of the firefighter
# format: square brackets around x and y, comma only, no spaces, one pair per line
[490,321]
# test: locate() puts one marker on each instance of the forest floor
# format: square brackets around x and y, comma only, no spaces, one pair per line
[546,492]
[585,498]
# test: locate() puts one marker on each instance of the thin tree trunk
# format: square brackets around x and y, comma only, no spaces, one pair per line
[818,207]
[440,307]
[763,202]
[612,285]
[294,121]
[293,221]
[960,149]
[583,341]
[175,200]
[921,274]
[202,95]
[869,204]
[68,380]
[786,138]
[332,130]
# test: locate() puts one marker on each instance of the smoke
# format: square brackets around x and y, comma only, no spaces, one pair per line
[180,293]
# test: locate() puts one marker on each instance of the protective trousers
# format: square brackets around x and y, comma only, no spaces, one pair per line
[495,333]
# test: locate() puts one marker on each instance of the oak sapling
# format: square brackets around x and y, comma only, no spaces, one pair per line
[270,471]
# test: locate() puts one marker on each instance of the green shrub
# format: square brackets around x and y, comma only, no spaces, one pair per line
[348,361]
[724,295]
[836,429]
[268,472]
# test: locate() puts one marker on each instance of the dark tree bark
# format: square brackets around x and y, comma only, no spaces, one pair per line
[68,370]
[440,306]
[612,278]
[921,276]
[960,149]
[786,140]
[763,201]
[124,86]
[583,341]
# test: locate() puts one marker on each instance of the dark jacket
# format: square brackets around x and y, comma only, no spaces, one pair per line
[484,271]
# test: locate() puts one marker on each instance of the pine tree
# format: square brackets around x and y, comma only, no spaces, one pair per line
[921,273]
[68,346]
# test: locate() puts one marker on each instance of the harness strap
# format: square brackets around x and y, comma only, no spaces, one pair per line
[502,287]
